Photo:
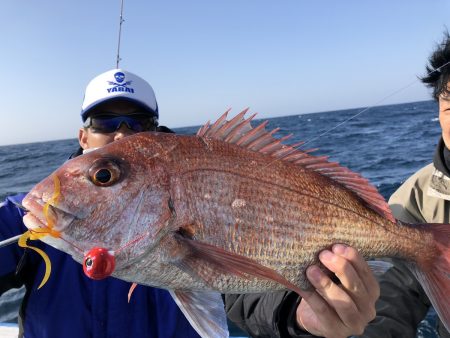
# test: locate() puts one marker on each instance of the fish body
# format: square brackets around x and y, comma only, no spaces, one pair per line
[230,210]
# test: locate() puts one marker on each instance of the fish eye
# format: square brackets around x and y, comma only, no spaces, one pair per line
[103,176]
[104,173]
[88,262]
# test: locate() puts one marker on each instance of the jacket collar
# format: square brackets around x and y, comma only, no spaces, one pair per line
[440,181]
[441,159]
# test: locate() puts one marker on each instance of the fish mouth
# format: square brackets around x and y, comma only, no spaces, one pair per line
[35,217]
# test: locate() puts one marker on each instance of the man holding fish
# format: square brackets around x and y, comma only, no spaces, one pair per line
[116,104]
[114,108]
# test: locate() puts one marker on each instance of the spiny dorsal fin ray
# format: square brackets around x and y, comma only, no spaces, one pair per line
[239,131]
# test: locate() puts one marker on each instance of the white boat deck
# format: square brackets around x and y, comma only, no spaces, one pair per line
[9,330]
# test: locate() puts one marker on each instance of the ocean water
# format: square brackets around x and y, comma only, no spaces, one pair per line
[385,144]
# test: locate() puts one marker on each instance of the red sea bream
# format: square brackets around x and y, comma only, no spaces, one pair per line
[230,210]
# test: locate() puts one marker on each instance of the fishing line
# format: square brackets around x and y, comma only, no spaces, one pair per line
[370,107]
[121,20]
[359,113]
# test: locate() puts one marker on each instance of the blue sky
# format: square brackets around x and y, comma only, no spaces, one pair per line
[202,57]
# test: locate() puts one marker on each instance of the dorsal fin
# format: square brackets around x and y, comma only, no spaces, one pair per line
[239,131]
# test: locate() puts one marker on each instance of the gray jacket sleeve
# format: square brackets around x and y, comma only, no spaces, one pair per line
[269,314]
[401,306]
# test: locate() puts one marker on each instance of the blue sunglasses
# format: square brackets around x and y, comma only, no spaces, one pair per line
[111,123]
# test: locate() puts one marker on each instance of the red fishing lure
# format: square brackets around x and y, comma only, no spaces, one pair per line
[99,263]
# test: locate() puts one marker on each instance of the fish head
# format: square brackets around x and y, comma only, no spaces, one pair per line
[116,198]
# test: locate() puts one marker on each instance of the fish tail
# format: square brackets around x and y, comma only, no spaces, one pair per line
[435,277]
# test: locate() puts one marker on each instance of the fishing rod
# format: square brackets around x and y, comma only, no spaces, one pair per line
[14,239]
[121,20]
[9,241]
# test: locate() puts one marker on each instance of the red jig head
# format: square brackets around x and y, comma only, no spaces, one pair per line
[99,263]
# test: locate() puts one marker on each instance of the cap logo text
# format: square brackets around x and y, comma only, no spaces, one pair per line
[120,85]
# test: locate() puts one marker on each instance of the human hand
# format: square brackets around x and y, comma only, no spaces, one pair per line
[339,310]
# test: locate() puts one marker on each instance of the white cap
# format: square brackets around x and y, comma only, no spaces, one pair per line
[115,84]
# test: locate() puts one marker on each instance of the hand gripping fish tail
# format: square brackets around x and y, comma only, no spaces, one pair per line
[230,210]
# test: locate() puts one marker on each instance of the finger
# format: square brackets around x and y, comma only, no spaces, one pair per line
[361,267]
[323,318]
[351,282]
[344,270]
[346,310]
[309,321]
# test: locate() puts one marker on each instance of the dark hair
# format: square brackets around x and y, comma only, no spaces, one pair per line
[438,76]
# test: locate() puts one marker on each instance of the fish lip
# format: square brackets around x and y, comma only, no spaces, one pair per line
[32,222]
[35,204]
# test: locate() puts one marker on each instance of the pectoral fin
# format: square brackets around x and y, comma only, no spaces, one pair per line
[204,311]
[225,262]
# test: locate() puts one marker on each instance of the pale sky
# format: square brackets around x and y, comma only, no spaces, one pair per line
[202,57]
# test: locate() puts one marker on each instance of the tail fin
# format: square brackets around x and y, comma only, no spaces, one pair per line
[435,279]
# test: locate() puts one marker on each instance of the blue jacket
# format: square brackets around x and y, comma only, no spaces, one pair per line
[72,305]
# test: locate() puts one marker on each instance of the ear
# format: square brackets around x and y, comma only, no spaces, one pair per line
[83,138]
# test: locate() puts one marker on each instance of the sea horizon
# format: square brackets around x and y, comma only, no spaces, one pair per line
[257,119]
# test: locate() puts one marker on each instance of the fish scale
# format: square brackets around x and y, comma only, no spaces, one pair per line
[336,222]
